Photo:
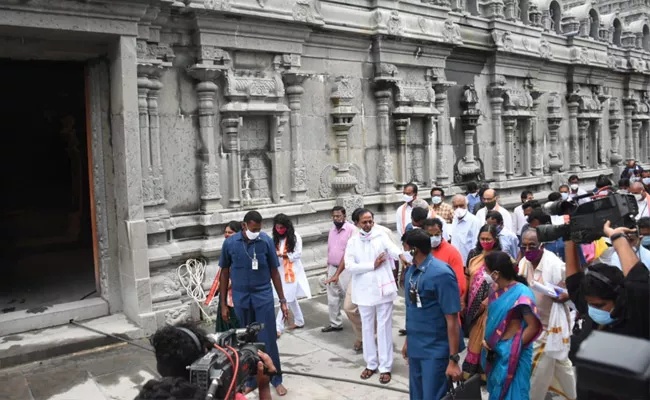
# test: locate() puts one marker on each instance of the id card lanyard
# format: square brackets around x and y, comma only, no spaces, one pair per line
[414,288]
[254,263]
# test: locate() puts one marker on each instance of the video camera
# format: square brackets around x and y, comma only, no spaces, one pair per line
[587,219]
[215,371]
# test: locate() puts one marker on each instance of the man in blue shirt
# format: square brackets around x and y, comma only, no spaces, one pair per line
[434,336]
[509,241]
[249,260]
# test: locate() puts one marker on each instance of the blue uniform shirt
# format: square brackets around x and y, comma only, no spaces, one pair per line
[250,288]
[427,327]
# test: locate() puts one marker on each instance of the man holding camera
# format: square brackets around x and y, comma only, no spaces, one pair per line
[249,260]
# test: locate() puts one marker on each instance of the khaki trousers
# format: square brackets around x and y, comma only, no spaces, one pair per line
[352,311]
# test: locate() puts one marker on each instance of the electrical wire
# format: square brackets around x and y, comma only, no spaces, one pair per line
[232,381]
[73,322]
[236,370]
[191,274]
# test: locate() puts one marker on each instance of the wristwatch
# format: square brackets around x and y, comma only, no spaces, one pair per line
[455,358]
[283,301]
[617,236]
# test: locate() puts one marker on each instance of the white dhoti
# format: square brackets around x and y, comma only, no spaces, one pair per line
[550,374]
[384,345]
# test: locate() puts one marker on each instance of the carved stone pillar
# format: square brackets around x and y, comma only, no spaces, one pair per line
[601,162]
[440,87]
[583,131]
[628,109]
[615,158]
[509,125]
[343,113]
[294,90]
[277,127]
[385,170]
[554,119]
[154,128]
[496,103]
[636,128]
[430,137]
[401,130]
[145,154]
[468,168]
[206,90]
[231,126]
[537,142]
[574,147]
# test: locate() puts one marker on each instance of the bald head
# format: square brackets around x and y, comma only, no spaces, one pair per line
[636,188]
[530,233]
[459,200]
[489,193]
[490,199]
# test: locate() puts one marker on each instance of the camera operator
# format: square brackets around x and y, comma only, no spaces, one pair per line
[612,301]
[177,347]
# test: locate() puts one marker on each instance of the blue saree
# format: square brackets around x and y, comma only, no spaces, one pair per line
[510,367]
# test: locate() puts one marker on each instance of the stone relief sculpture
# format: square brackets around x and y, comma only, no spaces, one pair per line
[247,198]
[394,24]
[224,5]
[307,11]
[545,50]
[452,33]
[502,40]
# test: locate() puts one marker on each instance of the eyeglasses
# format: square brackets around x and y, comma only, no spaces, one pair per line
[529,247]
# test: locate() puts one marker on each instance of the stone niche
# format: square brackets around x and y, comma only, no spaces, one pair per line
[587,148]
[253,120]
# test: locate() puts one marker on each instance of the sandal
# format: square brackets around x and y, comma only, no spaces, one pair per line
[385,377]
[367,373]
[358,346]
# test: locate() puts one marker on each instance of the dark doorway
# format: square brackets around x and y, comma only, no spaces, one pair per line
[46,249]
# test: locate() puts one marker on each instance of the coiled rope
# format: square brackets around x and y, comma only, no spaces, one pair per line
[191,274]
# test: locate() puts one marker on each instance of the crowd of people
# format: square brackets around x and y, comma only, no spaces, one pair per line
[470,269]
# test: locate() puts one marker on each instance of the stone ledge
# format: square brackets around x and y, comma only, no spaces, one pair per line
[52,342]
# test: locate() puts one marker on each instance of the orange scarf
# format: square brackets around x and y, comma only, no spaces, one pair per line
[289,275]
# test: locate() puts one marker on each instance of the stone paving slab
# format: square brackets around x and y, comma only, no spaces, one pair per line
[117,372]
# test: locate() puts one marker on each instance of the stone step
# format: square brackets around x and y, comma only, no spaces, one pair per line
[46,343]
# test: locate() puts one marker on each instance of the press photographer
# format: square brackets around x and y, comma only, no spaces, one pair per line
[610,300]
[179,347]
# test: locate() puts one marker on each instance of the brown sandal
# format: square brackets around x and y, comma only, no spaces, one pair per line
[367,373]
[385,377]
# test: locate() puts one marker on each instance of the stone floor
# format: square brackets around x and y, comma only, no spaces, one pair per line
[117,372]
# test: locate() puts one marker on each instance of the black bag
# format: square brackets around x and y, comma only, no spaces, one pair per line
[467,390]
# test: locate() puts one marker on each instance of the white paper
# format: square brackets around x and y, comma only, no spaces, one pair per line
[543,289]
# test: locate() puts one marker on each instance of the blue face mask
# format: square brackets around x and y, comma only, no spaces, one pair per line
[645,242]
[601,317]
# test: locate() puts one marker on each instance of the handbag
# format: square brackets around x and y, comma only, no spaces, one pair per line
[465,390]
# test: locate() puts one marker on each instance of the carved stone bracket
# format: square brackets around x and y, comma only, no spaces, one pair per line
[468,168]
[502,40]
[308,11]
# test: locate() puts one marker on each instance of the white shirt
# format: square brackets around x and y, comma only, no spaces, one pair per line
[644,210]
[580,192]
[520,219]
[551,270]
[507,218]
[464,234]
[402,218]
[371,285]
[642,253]
[557,219]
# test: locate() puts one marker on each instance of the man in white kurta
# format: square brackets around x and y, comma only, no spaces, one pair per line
[549,372]
[464,227]
[368,258]
[403,213]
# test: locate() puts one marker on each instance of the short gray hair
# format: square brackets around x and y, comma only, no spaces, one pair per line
[420,203]
[460,196]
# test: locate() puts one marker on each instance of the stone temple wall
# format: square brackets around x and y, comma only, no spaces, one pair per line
[295,106]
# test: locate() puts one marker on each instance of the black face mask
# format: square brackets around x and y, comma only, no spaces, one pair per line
[339,224]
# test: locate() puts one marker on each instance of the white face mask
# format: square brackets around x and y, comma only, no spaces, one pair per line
[436,200]
[623,191]
[435,241]
[574,186]
[634,179]
[252,235]
[638,196]
[488,278]
[565,196]
[646,181]
[408,256]
[460,213]
[406,198]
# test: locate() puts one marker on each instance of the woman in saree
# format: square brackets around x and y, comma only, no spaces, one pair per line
[221,325]
[474,315]
[512,325]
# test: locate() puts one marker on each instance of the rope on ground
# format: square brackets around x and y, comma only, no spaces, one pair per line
[191,274]
[284,371]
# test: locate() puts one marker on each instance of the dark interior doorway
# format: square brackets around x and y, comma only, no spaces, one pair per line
[46,250]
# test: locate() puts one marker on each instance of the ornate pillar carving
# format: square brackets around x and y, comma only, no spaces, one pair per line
[440,85]
[636,128]
[496,91]
[343,113]
[554,119]
[509,125]
[537,142]
[583,130]
[467,167]
[629,104]
[401,130]
[574,147]
[277,128]
[154,127]
[293,82]
[231,126]
[145,152]
[385,171]
[492,9]
[430,139]
[615,158]
[600,142]
[206,91]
